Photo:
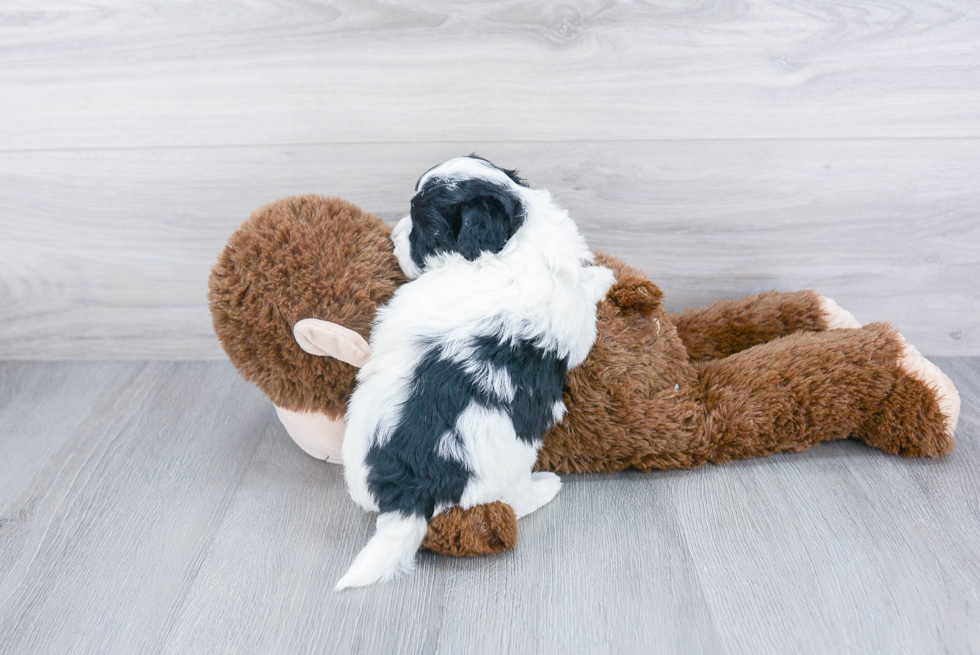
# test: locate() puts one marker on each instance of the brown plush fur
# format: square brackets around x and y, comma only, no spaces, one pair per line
[482,530]
[736,379]
[730,326]
[296,258]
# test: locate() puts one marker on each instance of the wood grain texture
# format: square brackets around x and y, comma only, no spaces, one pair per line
[99,544]
[266,582]
[601,577]
[105,254]
[112,73]
[40,408]
[168,512]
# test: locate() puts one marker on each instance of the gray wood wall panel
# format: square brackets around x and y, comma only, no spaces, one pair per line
[726,147]
[106,253]
[121,74]
[175,516]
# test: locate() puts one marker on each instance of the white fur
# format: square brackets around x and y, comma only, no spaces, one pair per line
[500,462]
[403,250]
[542,487]
[465,168]
[537,288]
[390,553]
[837,317]
[492,380]
[451,447]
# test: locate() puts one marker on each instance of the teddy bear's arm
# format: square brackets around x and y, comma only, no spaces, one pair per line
[730,326]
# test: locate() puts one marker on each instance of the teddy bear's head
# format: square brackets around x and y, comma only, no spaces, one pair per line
[292,298]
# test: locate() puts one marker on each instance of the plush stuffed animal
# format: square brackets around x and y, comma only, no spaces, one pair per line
[295,291]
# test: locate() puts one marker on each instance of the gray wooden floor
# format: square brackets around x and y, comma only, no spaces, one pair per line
[158,506]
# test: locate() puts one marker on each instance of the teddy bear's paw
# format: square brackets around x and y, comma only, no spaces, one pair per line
[917,366]
[836,316]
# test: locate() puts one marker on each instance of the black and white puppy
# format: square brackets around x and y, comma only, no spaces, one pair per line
[468,359]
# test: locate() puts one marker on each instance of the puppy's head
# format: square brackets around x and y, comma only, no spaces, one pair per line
[465,207]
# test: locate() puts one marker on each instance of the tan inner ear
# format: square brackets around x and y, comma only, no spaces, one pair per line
[326,339]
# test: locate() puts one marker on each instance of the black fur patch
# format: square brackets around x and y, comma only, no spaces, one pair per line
[538,377]
[407,474]
[470,217]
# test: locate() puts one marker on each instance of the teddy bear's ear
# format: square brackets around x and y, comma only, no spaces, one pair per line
[326,339]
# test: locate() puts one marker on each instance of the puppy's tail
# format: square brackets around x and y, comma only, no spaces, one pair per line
[390,553]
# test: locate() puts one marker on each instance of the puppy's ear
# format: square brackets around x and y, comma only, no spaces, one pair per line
[433,228]
[485,226]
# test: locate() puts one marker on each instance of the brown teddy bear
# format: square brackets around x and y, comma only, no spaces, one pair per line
[295,291]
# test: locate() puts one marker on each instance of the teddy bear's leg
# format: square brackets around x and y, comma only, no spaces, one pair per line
[905,423]
[730,326]
[805,388]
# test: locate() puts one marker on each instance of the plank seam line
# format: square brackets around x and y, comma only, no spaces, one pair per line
[474,142]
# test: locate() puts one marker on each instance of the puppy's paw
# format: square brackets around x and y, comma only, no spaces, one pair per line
[836,316]
[541,490]
[546,484]
[596,282]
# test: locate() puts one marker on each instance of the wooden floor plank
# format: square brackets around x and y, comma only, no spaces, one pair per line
[604,568]
[174,515]
[131,74]
[106,254]
[108,531]
[41,407]
[266,582]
